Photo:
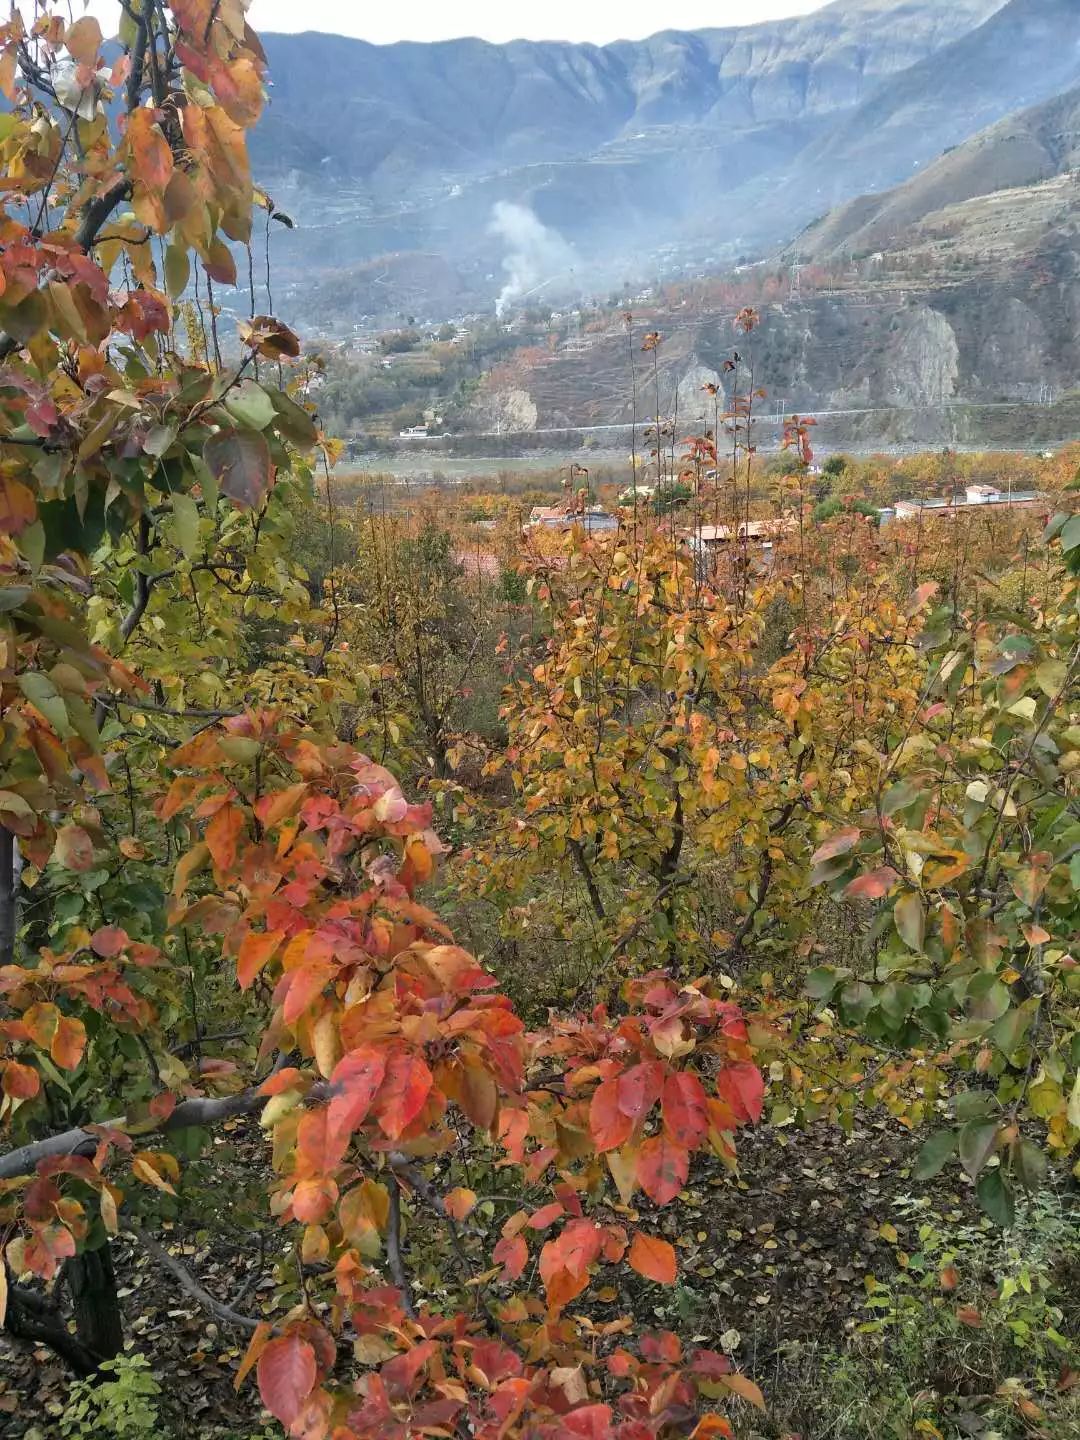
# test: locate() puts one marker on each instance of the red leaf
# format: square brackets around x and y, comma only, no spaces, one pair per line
[512,1254]
[663,1168]
[742,1086]
[686,1119]
[108,941]
[639,1089]
[653,1258]
[286,1376]
[355,1083]
[406,1087]
[610,1126]
[838,844]
[546,1215]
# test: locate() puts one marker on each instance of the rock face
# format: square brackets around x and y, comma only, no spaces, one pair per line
[923,362]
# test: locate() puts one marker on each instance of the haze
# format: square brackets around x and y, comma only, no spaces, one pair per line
[557,20]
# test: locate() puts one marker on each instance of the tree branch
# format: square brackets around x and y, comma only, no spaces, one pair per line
[217,1308]
[393,1250]
[578,852]
[199,1113]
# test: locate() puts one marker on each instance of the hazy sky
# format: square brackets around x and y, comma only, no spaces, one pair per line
[596,20]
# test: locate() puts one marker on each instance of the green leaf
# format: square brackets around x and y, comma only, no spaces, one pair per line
[987,998]
[910,920]
[44,696]
[899,797]
[974,1105]
[177,270]
[293,422]
[250,406]
[896,1000]
[996,1198]
[158,439]
[186,524]
[1029,1164]
[935,1154]
[977,1141]
[1070,536]
[856,1000]
[821,983]
[1008,1033]
[1050,677]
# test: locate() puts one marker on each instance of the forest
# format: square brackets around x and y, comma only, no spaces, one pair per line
[468,977]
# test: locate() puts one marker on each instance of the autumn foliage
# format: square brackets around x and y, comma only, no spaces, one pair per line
[705,763]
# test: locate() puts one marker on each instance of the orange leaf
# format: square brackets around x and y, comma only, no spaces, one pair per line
[256,948]
[20,1082]
[743,1386]
[147,1166]
[222,835]
[653,1258]
[74,848]
[460,1203]
[83,40]
[969,1316]
[263,1331]
[68,1043]
[273,809]
[151,157]
[872,886]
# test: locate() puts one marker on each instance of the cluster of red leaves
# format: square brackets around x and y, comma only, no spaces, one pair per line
[407,1047]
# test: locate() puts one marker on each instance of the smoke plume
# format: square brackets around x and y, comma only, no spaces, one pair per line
[536,255]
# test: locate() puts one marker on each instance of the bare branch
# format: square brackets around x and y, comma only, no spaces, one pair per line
[217,1308]
[393,1250]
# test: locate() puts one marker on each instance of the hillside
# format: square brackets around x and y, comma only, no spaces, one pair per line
[1020,154]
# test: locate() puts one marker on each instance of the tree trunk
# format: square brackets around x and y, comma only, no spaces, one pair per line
[99,1324]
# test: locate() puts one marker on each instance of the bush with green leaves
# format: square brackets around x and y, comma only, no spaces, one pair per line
[120,1403]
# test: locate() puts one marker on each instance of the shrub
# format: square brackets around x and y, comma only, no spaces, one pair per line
[123,1407]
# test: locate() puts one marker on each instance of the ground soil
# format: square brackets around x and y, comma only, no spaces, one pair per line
[776,1254]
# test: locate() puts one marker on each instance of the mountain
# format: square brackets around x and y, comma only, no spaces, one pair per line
[944,310]
[547,169]
[1026,52]
[395,114]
